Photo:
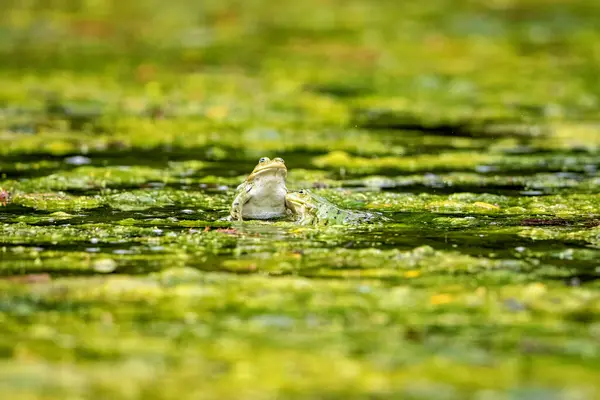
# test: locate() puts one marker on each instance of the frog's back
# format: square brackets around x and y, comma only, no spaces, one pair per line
[330,214]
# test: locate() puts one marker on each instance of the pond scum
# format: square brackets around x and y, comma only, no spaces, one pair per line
[471,124]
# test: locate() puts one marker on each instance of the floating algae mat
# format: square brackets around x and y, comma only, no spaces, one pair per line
[472,126]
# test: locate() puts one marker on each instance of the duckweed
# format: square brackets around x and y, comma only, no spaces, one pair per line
[469,124]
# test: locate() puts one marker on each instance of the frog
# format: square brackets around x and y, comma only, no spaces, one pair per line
[262,195]
[312,209]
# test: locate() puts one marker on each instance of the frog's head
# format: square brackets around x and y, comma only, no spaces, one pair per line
[300,200]
[268,167]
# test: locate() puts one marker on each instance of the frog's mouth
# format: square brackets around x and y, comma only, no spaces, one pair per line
[275,170]
[298,201]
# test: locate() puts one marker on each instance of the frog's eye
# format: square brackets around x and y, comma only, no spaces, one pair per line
[301,191]
[279,159]
[263,160]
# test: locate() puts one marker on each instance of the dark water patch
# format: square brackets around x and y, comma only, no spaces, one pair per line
[579,279]
[120,246]
[559,174]
[117,154]
[441,188]
[230,161]
[376,119]
[163,217]
[444,222]
[340,89]
[12,211]
[155,156]
[12,173]
[527,150]
[475,242]
[573,273]
[545,222]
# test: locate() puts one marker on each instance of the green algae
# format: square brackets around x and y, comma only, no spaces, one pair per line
[432,162]
[471,125]
[456,161]
[220,318]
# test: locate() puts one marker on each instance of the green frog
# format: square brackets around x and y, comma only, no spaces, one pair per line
[310,208]
[263,194]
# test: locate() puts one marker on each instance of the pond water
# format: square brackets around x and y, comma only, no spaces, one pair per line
[119,279]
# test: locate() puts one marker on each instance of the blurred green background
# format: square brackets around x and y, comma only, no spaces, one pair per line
[125,127]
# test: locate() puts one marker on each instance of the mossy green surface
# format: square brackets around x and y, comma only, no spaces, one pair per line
[472,125]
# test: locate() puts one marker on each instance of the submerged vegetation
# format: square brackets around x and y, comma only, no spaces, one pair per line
[470,125]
